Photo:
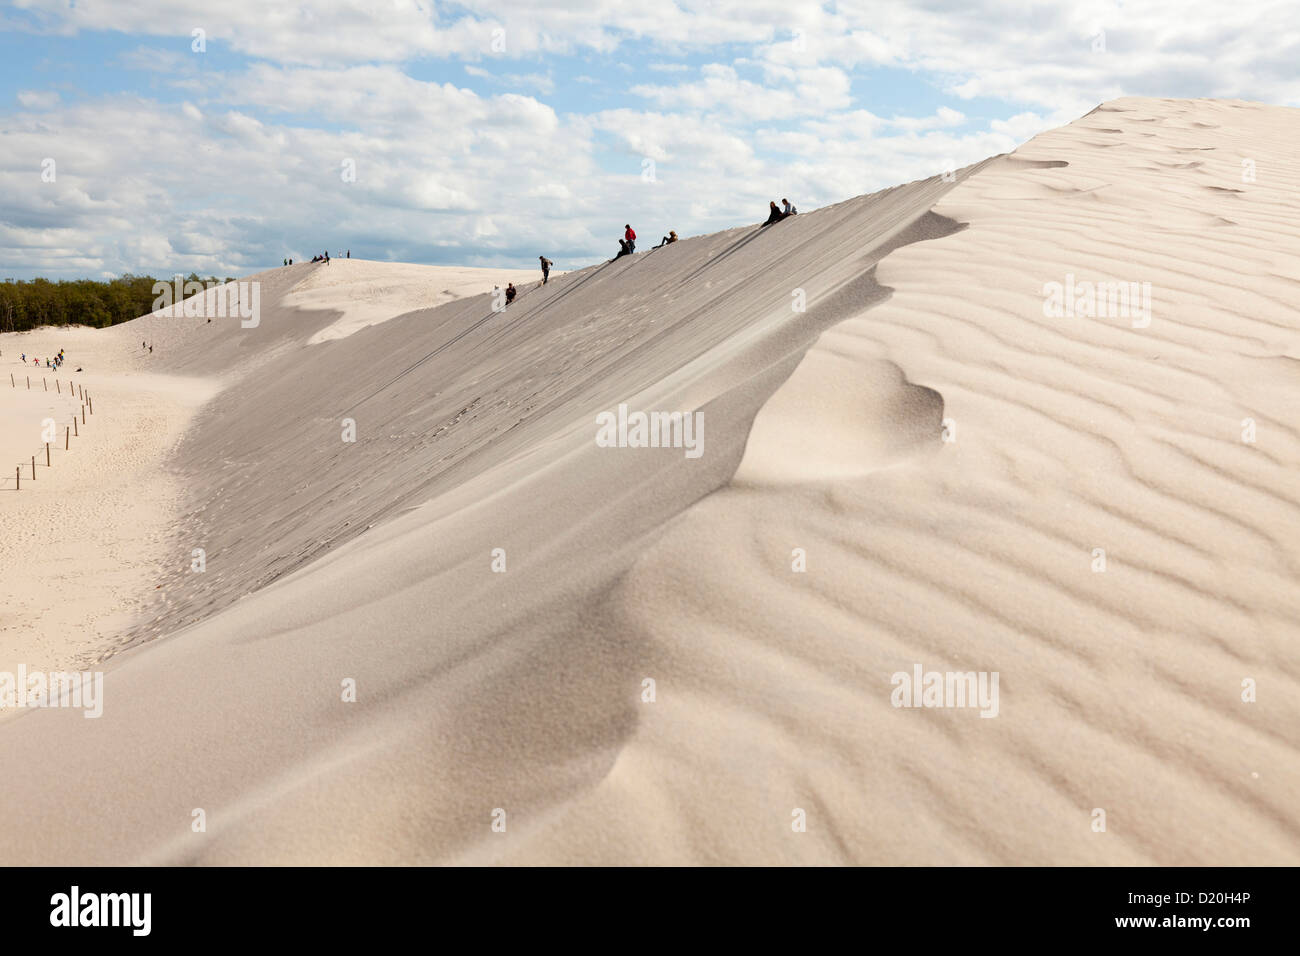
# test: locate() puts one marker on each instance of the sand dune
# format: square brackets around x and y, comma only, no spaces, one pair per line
[943,455]
[82,544]
[371,292]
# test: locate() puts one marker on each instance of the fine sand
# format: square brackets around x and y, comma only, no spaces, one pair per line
[367,293]
[473,614]
[81,544]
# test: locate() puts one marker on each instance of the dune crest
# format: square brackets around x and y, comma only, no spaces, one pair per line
[638,657]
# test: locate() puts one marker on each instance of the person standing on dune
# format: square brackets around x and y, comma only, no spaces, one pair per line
[630,236]
[546,268]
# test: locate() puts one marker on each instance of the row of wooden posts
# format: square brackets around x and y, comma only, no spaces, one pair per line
[69,431]
[57,387]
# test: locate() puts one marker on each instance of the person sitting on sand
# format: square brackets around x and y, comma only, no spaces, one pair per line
[510,292]
[622,249]
[668,239]
[788,209]
[774,215]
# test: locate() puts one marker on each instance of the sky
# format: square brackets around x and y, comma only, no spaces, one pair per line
[165,136]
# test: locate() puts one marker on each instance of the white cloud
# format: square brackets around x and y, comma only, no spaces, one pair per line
[38,99]
[720,89]
[246,168]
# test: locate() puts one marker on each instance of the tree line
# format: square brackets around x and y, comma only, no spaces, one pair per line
[29,303]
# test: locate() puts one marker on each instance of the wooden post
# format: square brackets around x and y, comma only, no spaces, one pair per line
[29,383]
[56,387]
[11,380]
[33,467]
[74,425]
[91,402]
[83,414]
[45,383]
[67,434]
[18,477]
[47,454]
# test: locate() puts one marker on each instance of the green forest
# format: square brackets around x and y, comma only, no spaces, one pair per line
[29,303]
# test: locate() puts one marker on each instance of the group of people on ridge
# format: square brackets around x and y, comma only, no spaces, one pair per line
[49,363]
[323,257]
[627,245]
[776,215]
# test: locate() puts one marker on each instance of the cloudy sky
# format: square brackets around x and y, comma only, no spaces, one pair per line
[163,136]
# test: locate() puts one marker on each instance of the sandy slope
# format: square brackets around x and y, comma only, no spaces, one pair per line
[522,690]
[81,544]
[371,292]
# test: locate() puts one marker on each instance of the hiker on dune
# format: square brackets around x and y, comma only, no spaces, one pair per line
[774,215]
[510,292]
[546,268]
[630,236]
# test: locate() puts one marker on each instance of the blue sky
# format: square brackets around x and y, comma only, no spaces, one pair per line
[488,133]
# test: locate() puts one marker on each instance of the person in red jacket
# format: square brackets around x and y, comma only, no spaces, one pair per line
[630,236]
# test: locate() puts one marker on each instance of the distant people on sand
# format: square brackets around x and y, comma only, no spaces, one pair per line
[349,255]
[546,268]
[630,236]
[668,239]
[510,292]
